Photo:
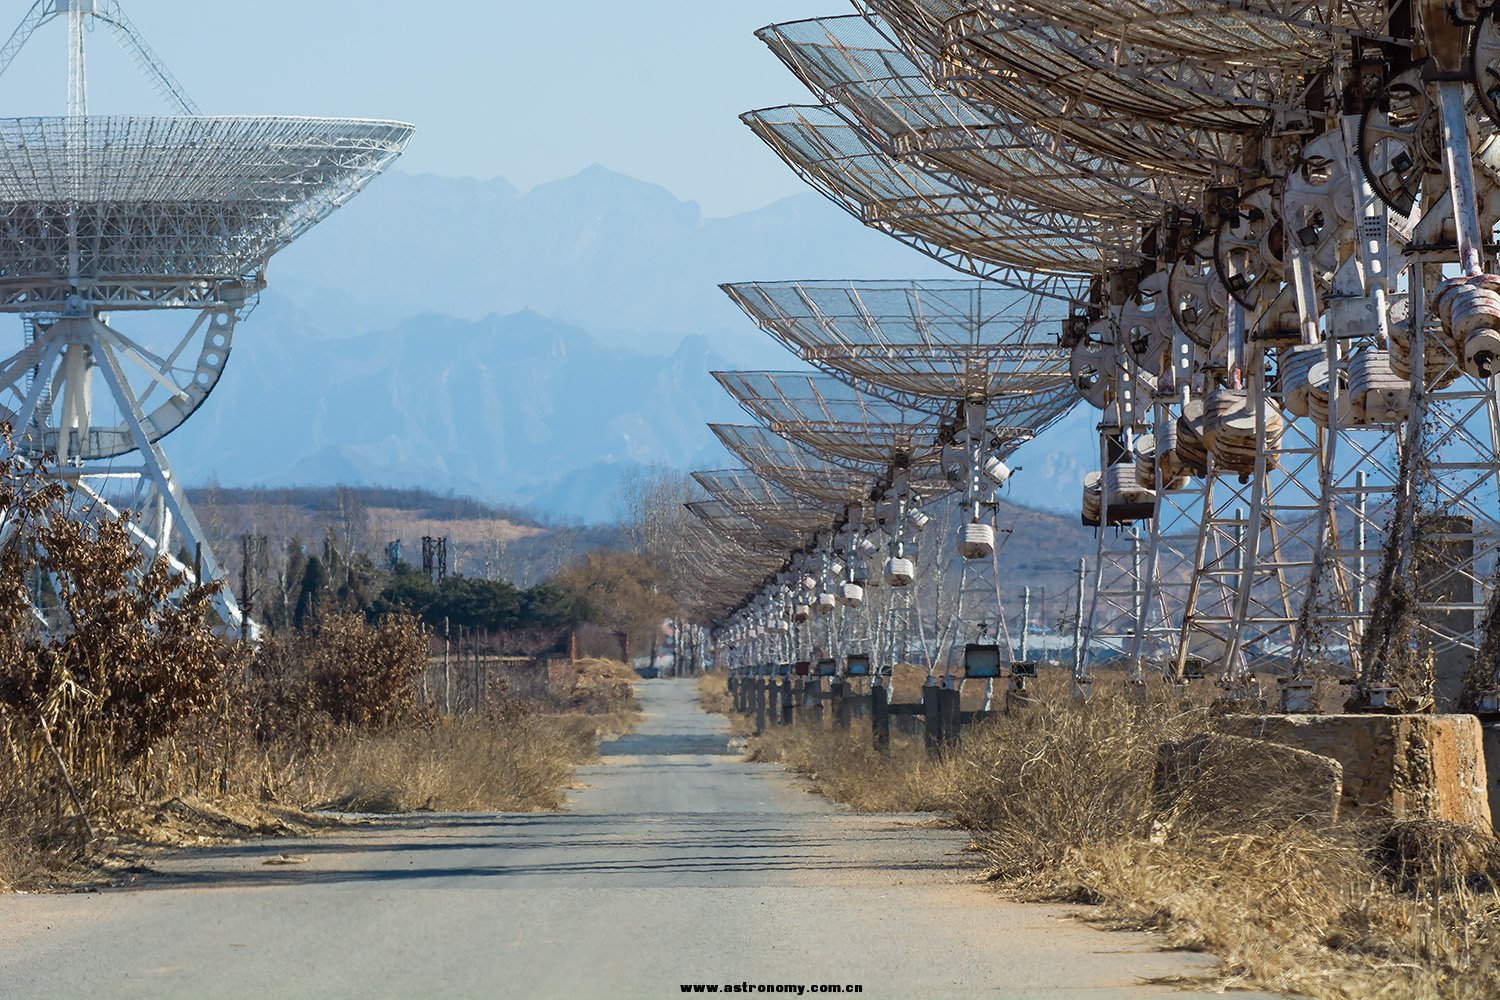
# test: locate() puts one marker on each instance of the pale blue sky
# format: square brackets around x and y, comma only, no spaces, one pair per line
[527,91]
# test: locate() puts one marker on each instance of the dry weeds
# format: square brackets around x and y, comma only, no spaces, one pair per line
[136,724]
[596,687]
[519,763]
[1059,800]
[268,768]
[713,693]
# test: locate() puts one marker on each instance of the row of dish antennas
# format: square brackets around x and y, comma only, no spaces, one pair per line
[1177,337]
[899,514]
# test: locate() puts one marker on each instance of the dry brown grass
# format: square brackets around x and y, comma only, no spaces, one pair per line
[518,764]
[595,686]
[1059,800]
[845,766]
[225,779]
[713,693]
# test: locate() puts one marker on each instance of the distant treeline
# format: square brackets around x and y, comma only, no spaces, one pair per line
[483,604]
[297,555]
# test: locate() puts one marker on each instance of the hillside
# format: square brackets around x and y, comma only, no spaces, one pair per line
[622,258]
[529,348]
[1040,551]
[485,540]
[519,409]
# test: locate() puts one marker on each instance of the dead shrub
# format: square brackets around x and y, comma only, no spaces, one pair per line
[596,687]
[348,670]
[1426,856]
[132,661]
[133,719]
[1063,775]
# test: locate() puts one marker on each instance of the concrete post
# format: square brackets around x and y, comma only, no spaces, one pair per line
[880,717]
[1025,624]
[788,701]
[1078,620]
[843,712]
[760,705]
[953,719]
[932,716]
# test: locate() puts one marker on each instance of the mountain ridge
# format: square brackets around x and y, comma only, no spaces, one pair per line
[529,347]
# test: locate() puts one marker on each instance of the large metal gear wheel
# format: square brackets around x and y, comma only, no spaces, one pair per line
[1196,298]
[1247,250]
[1399,141]
[1484,60]
[57,375]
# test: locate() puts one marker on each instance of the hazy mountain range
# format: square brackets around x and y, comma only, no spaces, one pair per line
[525,347]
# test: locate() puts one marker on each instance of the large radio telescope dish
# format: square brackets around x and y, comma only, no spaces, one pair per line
[117,215]
[836,420]
[930,214]
[151,212]
[847,62]
[134,213]
[931,342]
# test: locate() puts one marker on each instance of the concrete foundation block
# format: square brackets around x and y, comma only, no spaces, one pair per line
[1492,766]
[1234,782]
[1405,767]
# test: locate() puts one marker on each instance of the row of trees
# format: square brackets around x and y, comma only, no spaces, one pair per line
[617,591]
[289,583]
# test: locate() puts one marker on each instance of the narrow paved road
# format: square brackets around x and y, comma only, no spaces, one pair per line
[676,865]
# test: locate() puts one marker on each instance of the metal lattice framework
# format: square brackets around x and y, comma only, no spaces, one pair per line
[1169,146]
[836,420]
[1035,251]
[1190,89]
[794,468]
[929,342]
[846,62]
[764,502]
[1266,231]
[116,215]
[142,212]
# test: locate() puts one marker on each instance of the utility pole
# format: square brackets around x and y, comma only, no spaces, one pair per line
[1025,624]
[1078,620]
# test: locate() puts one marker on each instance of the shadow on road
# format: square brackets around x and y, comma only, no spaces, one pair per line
[667,745]
[584,847]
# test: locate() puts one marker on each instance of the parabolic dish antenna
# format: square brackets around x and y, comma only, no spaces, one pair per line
[847,62]
[987,226]
[794,468]
[1129,76]
[763,502]
[915,207]
[1173,147]
[108,215]
[931,342]
[741,530]
[836,420]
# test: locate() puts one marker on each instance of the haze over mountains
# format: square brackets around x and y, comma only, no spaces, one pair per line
[523,347]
